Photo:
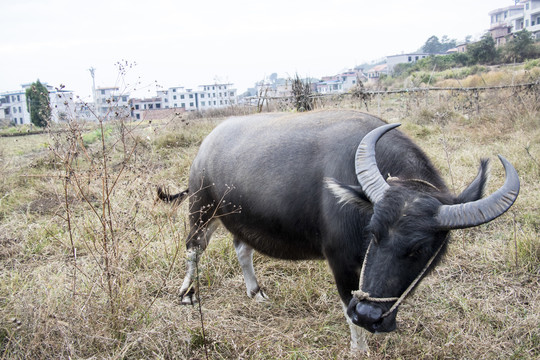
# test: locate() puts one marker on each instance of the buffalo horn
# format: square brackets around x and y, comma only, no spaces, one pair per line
[369,176]
[481,211]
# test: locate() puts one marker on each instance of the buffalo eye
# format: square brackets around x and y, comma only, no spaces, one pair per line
[416,252]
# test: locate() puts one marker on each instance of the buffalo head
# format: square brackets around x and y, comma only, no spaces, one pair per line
[409,229]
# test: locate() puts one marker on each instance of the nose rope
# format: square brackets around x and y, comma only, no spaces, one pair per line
[362,295]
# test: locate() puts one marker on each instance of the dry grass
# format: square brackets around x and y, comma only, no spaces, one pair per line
[69,297]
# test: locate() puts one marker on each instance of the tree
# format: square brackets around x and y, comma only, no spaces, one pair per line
[432,45]
[435,46]
[520,47]
[483,51]
[37,101]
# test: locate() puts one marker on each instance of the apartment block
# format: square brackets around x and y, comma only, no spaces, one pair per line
[511,19]
[14,108]
[111,103]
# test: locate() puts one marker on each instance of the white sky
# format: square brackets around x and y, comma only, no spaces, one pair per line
[188,43]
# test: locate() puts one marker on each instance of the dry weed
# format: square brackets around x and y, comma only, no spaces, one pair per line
[104,286]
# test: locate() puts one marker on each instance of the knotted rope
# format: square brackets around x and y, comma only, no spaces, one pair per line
[362,295]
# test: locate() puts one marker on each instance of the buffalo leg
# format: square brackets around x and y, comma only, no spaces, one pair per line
[358,336]
[346,277]
[244,252]
[196,243]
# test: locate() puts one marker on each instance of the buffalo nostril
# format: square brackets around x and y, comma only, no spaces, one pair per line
[367,312]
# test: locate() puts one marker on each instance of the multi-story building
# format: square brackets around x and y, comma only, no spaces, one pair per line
[15,109]
[140,106]
[217,96]
[339,83]
[206,97]
[111,103]
[180,97]
[13,105]
[511,19]
[279,87]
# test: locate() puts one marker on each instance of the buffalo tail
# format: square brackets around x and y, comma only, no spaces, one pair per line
[175,198]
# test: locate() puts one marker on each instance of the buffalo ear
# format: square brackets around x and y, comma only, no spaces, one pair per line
[475,190]
[348,194]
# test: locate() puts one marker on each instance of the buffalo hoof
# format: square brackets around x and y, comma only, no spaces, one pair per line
[260,296]
[188,298]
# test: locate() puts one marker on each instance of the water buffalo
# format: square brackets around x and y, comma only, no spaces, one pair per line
[321,185]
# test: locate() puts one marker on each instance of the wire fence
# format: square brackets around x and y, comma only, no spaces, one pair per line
[468,101]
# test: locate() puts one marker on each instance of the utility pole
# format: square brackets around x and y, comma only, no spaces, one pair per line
[92,73]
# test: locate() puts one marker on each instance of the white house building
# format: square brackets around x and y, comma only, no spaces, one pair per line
[339,83]
[14,107]
[140,106]
[511,19]
[393,60]
[206,97]
[111,103]
[217,96]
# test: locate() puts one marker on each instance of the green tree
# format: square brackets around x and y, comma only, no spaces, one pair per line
[483,51]
[520,47]
[435,46]
[447,44]
[37,101]
[432,45]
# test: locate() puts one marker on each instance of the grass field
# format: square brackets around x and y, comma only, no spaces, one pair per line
[91,263]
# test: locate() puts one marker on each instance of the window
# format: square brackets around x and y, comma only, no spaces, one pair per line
[232,93]
[202,96]
[181,96]
[527,23]
[183,105]
[158,106]
[20,109]
[527,6]
[138,116]
[137,107]
[124,98]
[173,90]
[410,58]
[203,103]
[18,97]
[191,96]
[174,97]
[150,106]
[102,92]
[14,110]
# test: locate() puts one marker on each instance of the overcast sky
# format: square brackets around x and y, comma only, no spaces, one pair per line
[188,43]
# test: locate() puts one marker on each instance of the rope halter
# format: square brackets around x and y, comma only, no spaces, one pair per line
[361,295]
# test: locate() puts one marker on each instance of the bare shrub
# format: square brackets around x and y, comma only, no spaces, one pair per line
[301,94]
